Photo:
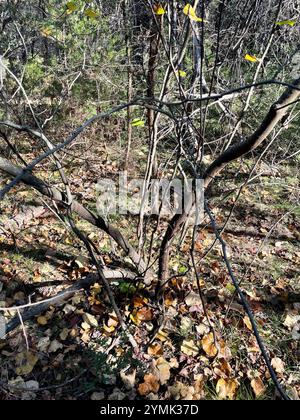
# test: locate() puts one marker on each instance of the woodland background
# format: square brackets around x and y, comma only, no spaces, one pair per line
[100,306]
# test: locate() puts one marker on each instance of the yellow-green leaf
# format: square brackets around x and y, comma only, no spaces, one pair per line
[91,13]
[159,10]
[251,58]
[182,73]
[138,123]
[46,32]
[72,6]
[230,287]
[286,22]
[189,11]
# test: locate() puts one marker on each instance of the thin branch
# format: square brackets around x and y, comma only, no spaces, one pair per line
[245,304]
[36,308]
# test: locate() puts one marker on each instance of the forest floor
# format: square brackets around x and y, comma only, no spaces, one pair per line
[76,350]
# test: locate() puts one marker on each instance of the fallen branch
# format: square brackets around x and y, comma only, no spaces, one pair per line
[35,309]
[77,208]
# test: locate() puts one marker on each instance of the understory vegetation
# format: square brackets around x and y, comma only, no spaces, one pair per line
[97,303]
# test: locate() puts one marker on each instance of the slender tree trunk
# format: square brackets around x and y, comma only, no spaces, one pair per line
[127,24]
[153,55]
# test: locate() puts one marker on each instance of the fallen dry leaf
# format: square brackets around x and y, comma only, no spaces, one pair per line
[134,318]
[42,320]
[113,321]
[25,362]
[98,396]
[222,368]
[180,391]
[162,335]
[64,334]
[186,325]
[208,345]
[55,346]
[90,320]
[202,329]
[193,299]
[170,300]
[150,384]
[43,344]
[117,395]
[128,379]
[163,370]
[278,365]
[291,320]
[85,326]
[32,385]
[155,349]
[258,386]
[139,301]
[189,348]
[224,351]
[247,322]
[226,388]
[145,314]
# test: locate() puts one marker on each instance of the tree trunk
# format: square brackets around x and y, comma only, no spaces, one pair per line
[276,112]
